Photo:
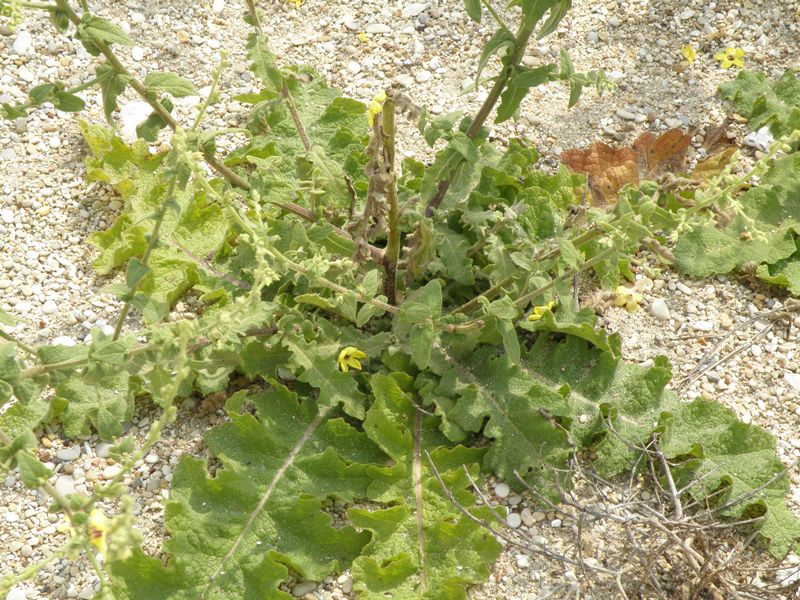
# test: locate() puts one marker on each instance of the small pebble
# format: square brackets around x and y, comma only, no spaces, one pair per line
[502,490]
[514,520]
[69,453]
[301,589]
[659,309]
[377,28]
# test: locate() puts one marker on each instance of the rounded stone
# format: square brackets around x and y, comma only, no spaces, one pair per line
[514,520]
[659,310]
[502,490]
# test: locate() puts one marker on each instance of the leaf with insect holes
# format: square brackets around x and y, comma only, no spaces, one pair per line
[717,452]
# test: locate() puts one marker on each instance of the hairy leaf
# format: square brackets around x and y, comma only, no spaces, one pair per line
[237,534]
[422,546]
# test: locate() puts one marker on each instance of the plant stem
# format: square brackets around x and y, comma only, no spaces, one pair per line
[151,244]
[520,45]
[491,292]
[152,100]
[326,283]
[392,254]
[522,301]
[7,336]
[38,6]
[215,75]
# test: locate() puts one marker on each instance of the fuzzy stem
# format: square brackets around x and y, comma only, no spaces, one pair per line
[152,100]
[7,336]
[520,44]
[151,244]
[393,240]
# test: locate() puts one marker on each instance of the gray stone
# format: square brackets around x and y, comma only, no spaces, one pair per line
[69,453]
[301,589]
[514,520]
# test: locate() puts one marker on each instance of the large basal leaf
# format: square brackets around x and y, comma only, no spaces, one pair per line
[237,534]
[722,452]
[485,392]
[707,441]
[422,545]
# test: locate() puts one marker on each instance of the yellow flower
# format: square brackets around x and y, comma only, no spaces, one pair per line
[362,37]
[297,3]
[349,359]
[98,525]
[376,106]
[730,57]
[538,311]
[628,298]
[688,53]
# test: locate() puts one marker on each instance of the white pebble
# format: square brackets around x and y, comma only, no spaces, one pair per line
[16,593]
[423,76]
[63,340]
[49,307]
[218,6]
[65,485]
[137,53]
[514,520]
[23,44]
[11,517]
[659,309]
[111,471]
[502,490]
[702,325]
[7,216]
[756,350]
[793,379]
[523,561]
[377,28]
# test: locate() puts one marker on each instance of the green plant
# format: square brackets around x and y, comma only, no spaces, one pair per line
[321,243]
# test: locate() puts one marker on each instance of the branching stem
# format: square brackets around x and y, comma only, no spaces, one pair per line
[520,44]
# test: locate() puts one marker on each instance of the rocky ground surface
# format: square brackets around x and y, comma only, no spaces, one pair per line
[431,49]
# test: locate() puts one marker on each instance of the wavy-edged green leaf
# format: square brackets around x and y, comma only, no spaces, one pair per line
[103,402]
[763,232]
[765,103]
[485,392]
[581,324]
[112,85]
[317,360]
[422,545]
[169,82]
[237,534]
[718,451]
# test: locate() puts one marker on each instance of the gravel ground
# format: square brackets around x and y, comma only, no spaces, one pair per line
[431,49]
